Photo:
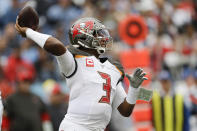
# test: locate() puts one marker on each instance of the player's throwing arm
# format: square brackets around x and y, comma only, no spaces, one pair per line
[45,41]
[49,43]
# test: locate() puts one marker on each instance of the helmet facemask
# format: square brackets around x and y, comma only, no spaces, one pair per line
[102,41]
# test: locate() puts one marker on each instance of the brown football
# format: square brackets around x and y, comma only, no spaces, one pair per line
[28,17]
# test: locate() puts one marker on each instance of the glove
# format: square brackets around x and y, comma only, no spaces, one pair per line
[137,78]
[135,81]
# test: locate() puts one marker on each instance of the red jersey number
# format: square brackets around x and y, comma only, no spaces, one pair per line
[106,87]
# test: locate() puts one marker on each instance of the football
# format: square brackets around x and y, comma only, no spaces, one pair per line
[28,17]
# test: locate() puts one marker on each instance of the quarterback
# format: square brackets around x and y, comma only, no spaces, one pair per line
[94,82]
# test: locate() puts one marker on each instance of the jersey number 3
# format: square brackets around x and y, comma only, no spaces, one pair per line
[106,87]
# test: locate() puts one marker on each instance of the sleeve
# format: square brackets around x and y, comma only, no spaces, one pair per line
[67,64]
[119,96]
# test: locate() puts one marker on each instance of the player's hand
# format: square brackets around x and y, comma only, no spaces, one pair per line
[20,30]
[137,78]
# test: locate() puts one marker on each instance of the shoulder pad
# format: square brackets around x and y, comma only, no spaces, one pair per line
[119,67]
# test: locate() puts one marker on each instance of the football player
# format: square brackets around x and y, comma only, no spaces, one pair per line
[95,83]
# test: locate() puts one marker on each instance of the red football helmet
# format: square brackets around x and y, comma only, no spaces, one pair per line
[90,33]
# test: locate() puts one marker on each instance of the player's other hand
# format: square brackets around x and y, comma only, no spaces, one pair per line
[20,30]
[137,77]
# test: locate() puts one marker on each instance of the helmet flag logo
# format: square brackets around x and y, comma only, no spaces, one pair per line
[86,27]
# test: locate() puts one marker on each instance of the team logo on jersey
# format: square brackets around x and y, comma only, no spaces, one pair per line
[89,62]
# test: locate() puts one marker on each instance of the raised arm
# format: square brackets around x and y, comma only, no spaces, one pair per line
[65,59]
[126,106]
[49,43]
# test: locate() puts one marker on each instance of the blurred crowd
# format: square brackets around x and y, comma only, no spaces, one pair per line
[171,42]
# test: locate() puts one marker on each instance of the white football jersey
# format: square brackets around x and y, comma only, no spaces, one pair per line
[94,89]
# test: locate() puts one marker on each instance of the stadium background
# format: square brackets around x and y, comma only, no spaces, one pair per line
[169,51]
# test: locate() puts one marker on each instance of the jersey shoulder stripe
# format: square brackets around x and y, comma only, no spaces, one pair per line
[119,70]
[79,56]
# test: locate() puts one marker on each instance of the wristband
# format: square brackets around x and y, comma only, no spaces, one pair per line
[132,95]
[37,37]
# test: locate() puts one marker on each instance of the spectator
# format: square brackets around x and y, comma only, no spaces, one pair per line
[9,40]
[194,94]
[193,97]
[57,107]
[5,87]
[169,110]
[45,68]
[63,12]
[16,64]
[24,110]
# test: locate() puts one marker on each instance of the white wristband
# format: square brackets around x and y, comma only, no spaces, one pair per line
[37,37]
[132,95]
